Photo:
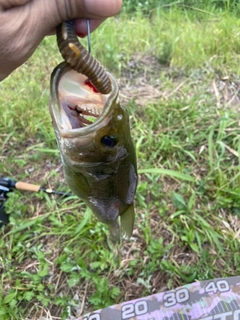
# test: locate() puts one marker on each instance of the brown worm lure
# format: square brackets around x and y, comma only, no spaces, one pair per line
[80,59]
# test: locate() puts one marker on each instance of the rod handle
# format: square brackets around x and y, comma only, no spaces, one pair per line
[27,186]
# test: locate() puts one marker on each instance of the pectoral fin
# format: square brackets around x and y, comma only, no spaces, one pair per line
[127,222]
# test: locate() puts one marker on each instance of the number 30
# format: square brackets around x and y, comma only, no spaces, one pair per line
[172,298]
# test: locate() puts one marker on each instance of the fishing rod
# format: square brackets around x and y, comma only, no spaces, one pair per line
[7,185]
[24,186]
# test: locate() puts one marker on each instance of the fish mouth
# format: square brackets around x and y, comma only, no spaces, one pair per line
[76,106]
[82,103]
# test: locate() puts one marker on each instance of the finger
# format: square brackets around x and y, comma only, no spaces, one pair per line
[81,26]
[7,4]
[55,12]
[103,8]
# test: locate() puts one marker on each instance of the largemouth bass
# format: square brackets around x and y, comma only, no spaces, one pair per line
[93,135]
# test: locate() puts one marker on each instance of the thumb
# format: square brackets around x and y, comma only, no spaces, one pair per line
[55,12]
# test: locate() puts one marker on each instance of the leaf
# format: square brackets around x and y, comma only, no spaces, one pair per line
[74,280]
[95,264]
[115,291]
[28,295]
[26,225]
[69,267]
[171,173]
[44,272]
[13,303]
[9,297]
[210,147]
[86,217]
[178,201]
[194,247]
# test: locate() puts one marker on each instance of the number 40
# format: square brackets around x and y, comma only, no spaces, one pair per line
[218,286]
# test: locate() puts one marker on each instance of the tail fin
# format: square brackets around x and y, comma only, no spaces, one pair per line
[127,222]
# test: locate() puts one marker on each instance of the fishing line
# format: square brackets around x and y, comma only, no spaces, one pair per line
[88,35]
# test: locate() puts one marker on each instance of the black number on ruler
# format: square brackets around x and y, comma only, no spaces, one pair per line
[172,298]
[131,310]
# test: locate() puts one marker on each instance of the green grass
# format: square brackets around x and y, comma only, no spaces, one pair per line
[178,38]
[179,77]
[148,6]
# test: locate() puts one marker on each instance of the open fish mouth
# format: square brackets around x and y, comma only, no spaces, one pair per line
[77,108]
[80,100]
[91,82]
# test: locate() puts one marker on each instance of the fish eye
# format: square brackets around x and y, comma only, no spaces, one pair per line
[108,141]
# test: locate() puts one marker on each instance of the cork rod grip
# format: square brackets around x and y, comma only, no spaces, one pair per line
[27,186]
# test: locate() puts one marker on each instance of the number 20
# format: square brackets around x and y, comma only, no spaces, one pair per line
[132,310]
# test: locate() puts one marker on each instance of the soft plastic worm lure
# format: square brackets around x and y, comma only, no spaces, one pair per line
[80,59]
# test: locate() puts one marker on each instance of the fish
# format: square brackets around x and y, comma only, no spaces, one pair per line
[93,135]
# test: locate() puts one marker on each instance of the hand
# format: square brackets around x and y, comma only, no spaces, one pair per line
[24,23]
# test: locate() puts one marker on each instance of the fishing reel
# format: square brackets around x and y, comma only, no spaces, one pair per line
[4,219]
[7,185]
